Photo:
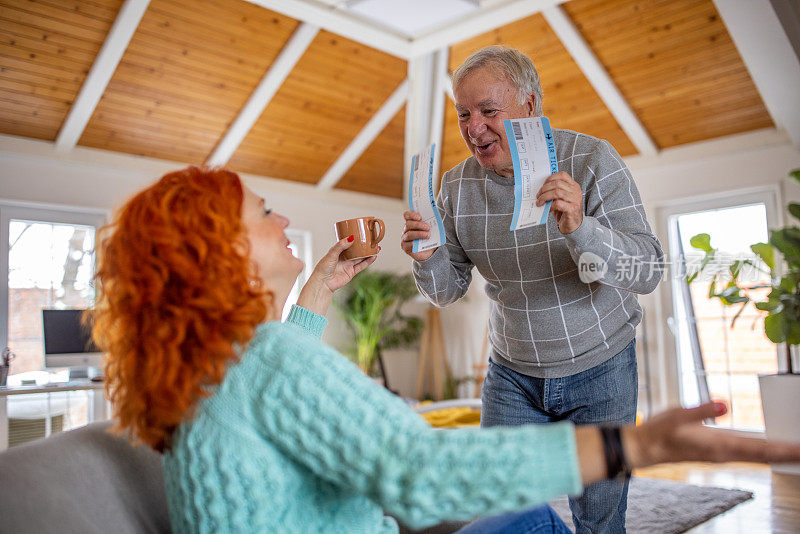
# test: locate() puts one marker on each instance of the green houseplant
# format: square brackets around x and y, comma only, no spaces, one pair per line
[371,306]
[782,323]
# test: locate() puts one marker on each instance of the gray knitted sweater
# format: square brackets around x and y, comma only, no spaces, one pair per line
[544,321]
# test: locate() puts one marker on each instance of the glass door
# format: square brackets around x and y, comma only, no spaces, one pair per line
[721,351]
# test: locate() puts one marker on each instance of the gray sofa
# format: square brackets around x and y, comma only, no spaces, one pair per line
[89,481]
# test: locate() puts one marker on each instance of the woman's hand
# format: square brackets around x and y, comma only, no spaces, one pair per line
[678,435]
[331,273]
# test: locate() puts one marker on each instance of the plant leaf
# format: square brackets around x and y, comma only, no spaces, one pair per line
[794,209]
[775,327]
[768,306]
[701,242]
[766,252]
[795,174]
[782,240]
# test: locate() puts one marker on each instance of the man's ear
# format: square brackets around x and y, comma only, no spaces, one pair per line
[530,105]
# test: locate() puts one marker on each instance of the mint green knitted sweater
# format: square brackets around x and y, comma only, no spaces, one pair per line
[297,439]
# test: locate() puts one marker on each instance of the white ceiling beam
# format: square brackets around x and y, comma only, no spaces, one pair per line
[597,75]
[99,75]
[448,86]
[769,57]
[477,23]
[418,112]
[262,95]
[342,23]
[365,137]
[437,109]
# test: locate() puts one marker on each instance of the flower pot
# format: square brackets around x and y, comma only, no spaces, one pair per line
[780,401]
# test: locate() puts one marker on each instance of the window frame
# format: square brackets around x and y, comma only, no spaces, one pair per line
[46,213]
[770,195]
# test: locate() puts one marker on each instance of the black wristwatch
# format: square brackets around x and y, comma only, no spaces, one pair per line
[616,463]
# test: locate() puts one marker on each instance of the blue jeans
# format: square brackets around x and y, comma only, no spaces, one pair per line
[603,394]
[541,520]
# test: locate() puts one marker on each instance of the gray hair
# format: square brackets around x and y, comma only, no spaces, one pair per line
[511,63]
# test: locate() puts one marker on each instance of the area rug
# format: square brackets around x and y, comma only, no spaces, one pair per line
[666,507]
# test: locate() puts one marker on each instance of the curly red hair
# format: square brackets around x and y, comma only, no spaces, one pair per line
[178,299]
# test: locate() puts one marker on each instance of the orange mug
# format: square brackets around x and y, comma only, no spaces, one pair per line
[363,229]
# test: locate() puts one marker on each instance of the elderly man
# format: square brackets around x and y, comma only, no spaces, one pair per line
[562,341]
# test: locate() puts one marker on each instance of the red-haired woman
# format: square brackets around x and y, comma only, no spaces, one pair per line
[266,429]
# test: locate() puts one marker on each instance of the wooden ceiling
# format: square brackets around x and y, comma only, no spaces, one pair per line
[191,67]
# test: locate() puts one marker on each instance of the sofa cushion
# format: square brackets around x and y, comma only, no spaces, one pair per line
[82,481]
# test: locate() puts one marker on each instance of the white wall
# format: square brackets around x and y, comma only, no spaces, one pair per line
[31,172]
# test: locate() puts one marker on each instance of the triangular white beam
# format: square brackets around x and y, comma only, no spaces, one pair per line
[597,75]
[342,23]
[437,109]
[448,86]
[99,75]
[477,23]
[418,111]
[769,56]
[269,85]
[365,137]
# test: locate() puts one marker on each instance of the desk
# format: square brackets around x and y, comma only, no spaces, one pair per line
[98,406]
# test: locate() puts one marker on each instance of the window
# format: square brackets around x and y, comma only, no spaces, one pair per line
[48,263]
[716,361]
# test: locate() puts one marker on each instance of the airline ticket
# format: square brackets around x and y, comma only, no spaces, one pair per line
[533,152]
[422,199]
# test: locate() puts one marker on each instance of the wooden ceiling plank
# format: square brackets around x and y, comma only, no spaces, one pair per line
[105,12]
[371,130]
[154,135]
[22,67]
[190,100]
[597,75]
[769,57]
[215,16]
[60,18]
[137,72]
[477,23]
[38,46]
[43,59]
[262,95]
[227,40]
[180,118]
[23,84]
[50,36]
[342,23]
[206,70]
[103,68]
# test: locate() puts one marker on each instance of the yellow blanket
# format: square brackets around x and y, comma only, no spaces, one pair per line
[453,417]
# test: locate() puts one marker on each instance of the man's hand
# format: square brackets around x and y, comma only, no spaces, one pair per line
[415,229]
[567,197]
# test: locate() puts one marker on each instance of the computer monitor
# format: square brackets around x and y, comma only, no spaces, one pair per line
[68,343]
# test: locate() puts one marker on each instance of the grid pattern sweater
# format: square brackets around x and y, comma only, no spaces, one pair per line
[544,321]
[298,439]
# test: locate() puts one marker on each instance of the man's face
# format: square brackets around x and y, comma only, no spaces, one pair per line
[484,99]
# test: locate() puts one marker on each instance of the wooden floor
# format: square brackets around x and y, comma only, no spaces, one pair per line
[775,507]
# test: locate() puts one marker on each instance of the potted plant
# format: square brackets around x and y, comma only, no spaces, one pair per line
[780,393]
[371,306]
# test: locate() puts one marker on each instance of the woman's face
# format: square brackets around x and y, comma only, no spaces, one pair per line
[269,247]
